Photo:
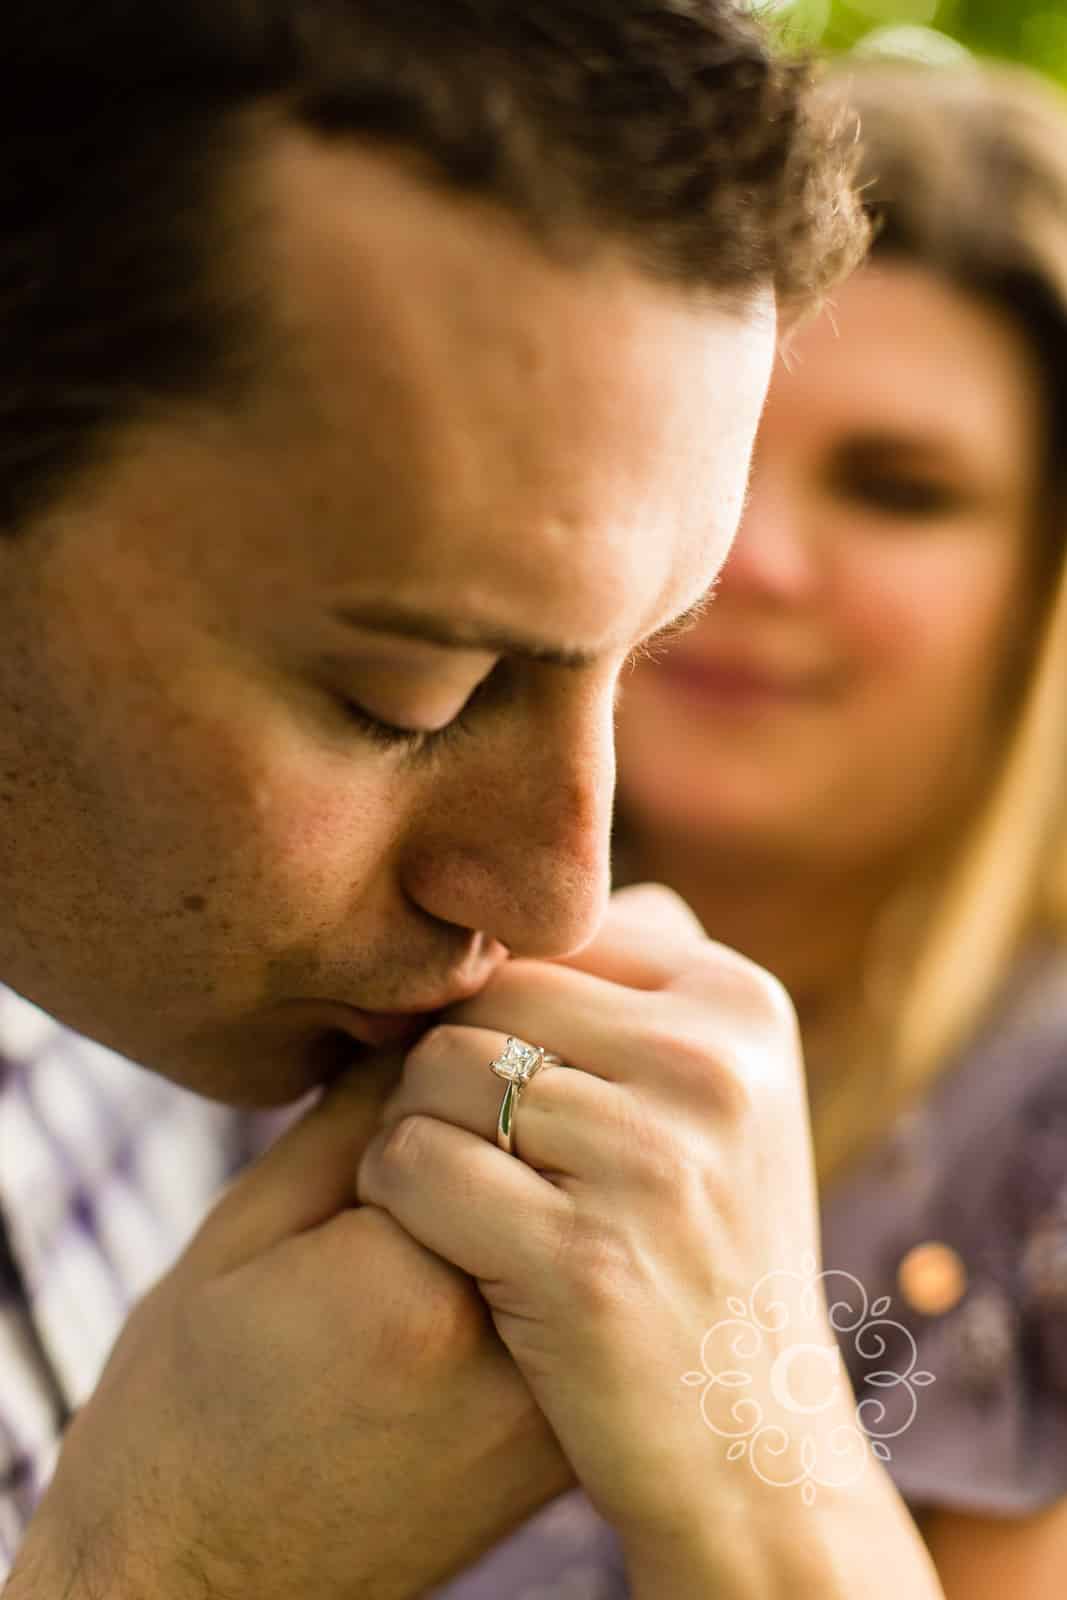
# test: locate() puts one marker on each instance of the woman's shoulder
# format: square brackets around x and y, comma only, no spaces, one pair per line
[960,1218]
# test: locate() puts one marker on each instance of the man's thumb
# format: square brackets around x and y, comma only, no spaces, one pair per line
[304,1179]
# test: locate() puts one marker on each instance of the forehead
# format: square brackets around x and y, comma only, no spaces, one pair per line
[468,422]
[901,349]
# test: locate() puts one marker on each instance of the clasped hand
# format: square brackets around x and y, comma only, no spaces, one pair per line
[670,1171]
[335,1399]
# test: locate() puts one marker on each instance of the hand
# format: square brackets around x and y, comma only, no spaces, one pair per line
[672,1170]
[310,1404]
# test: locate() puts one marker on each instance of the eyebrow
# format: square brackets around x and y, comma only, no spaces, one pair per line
[900,442]
[427,628]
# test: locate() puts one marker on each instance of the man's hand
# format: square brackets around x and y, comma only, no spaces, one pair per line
[310,1403]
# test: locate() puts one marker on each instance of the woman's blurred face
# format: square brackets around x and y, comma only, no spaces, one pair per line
[840,698]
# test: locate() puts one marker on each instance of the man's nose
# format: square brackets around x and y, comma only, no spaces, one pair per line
[774,559]
[516,844]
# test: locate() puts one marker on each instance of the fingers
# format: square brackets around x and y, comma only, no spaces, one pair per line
[590,1022]
[648,932]
[657,908]
[304,1179]
[562,1115]
[705,1016]
[436,1180]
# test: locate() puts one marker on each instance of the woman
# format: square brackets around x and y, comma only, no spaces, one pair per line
[855,770]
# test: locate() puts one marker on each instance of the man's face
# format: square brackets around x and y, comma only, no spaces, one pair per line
[209,860]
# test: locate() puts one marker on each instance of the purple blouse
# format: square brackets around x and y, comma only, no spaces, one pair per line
[979,1174]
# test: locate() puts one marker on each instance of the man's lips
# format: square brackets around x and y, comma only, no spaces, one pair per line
[379,1028]
[374,1028]
[387,1027]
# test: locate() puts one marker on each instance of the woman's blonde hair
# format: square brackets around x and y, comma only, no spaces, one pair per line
[965,172]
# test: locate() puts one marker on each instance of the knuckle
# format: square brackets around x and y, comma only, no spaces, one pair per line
[777,1002]
[750,1024]
[641,901]
[445,1329]
[706,1071]
[427,1317]
[655,1155]
[672,1167]
[404,1143]
[596,1270]
[668,1042]
[755,992]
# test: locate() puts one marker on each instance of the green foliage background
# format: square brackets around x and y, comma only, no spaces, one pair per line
[1034,31]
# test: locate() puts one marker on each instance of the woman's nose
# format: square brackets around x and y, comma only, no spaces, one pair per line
[516,846]
[774,558]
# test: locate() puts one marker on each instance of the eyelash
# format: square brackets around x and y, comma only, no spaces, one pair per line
[412,741]
[418,742]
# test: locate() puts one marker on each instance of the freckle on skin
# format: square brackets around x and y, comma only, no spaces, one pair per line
[194,902]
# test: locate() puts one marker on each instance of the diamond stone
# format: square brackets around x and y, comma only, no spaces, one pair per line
[517,1061]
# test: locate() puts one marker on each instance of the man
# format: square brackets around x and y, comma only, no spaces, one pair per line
[379,376]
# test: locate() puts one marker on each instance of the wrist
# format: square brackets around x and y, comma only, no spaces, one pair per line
[748,1540]
[47,1568]
[735,1547]
[62,1557]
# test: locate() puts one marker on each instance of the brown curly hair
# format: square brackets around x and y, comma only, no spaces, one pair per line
[667,126]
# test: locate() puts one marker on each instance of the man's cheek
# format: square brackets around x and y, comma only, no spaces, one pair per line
[318,840]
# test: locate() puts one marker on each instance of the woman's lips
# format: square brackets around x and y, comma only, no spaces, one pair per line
[736,684]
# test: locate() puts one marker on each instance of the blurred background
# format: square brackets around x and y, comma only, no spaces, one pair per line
[1034,31]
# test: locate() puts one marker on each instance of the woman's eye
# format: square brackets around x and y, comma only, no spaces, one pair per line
[912,497]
